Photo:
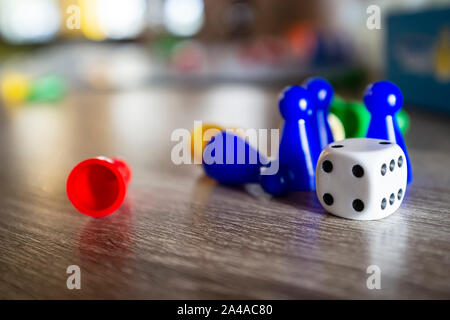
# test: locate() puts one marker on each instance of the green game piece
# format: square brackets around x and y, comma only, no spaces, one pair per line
[403,121]
[49,88]
[353,115]
[355,118]
[338,106]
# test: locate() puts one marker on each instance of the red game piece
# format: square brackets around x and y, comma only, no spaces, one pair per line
[97,187]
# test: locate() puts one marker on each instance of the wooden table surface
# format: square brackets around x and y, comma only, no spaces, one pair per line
[179,234]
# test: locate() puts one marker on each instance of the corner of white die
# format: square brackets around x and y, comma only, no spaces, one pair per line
[361,178]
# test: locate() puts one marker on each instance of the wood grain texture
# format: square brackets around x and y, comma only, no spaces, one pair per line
[179,234]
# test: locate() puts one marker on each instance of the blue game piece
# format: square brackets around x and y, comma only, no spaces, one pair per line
[229,159]
[384,99]
[277,184]
[299,150]
[322,93]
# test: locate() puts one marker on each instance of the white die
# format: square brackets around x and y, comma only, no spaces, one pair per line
[361,178]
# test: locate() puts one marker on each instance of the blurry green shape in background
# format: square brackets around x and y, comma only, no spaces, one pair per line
[355,117]
[164,46]
[48,88]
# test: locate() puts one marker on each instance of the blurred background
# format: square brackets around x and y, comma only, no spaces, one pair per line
[124,44]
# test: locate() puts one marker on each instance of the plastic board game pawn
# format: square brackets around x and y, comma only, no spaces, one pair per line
[230,159]
[321,94]
[299,151]
[14,88]
[220,162]
[97,187]
[384,99]
[279,184]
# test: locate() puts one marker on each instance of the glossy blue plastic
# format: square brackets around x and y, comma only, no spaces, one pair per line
[278,184]
[384,99]
[321,94]
[229,159]
[299,151]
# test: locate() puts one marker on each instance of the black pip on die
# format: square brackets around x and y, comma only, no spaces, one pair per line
[361,178]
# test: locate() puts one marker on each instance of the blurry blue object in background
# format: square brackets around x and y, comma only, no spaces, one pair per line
[418,56]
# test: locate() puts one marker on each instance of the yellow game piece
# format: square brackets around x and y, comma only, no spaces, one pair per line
[14,88]
[200,136]
[336,126]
